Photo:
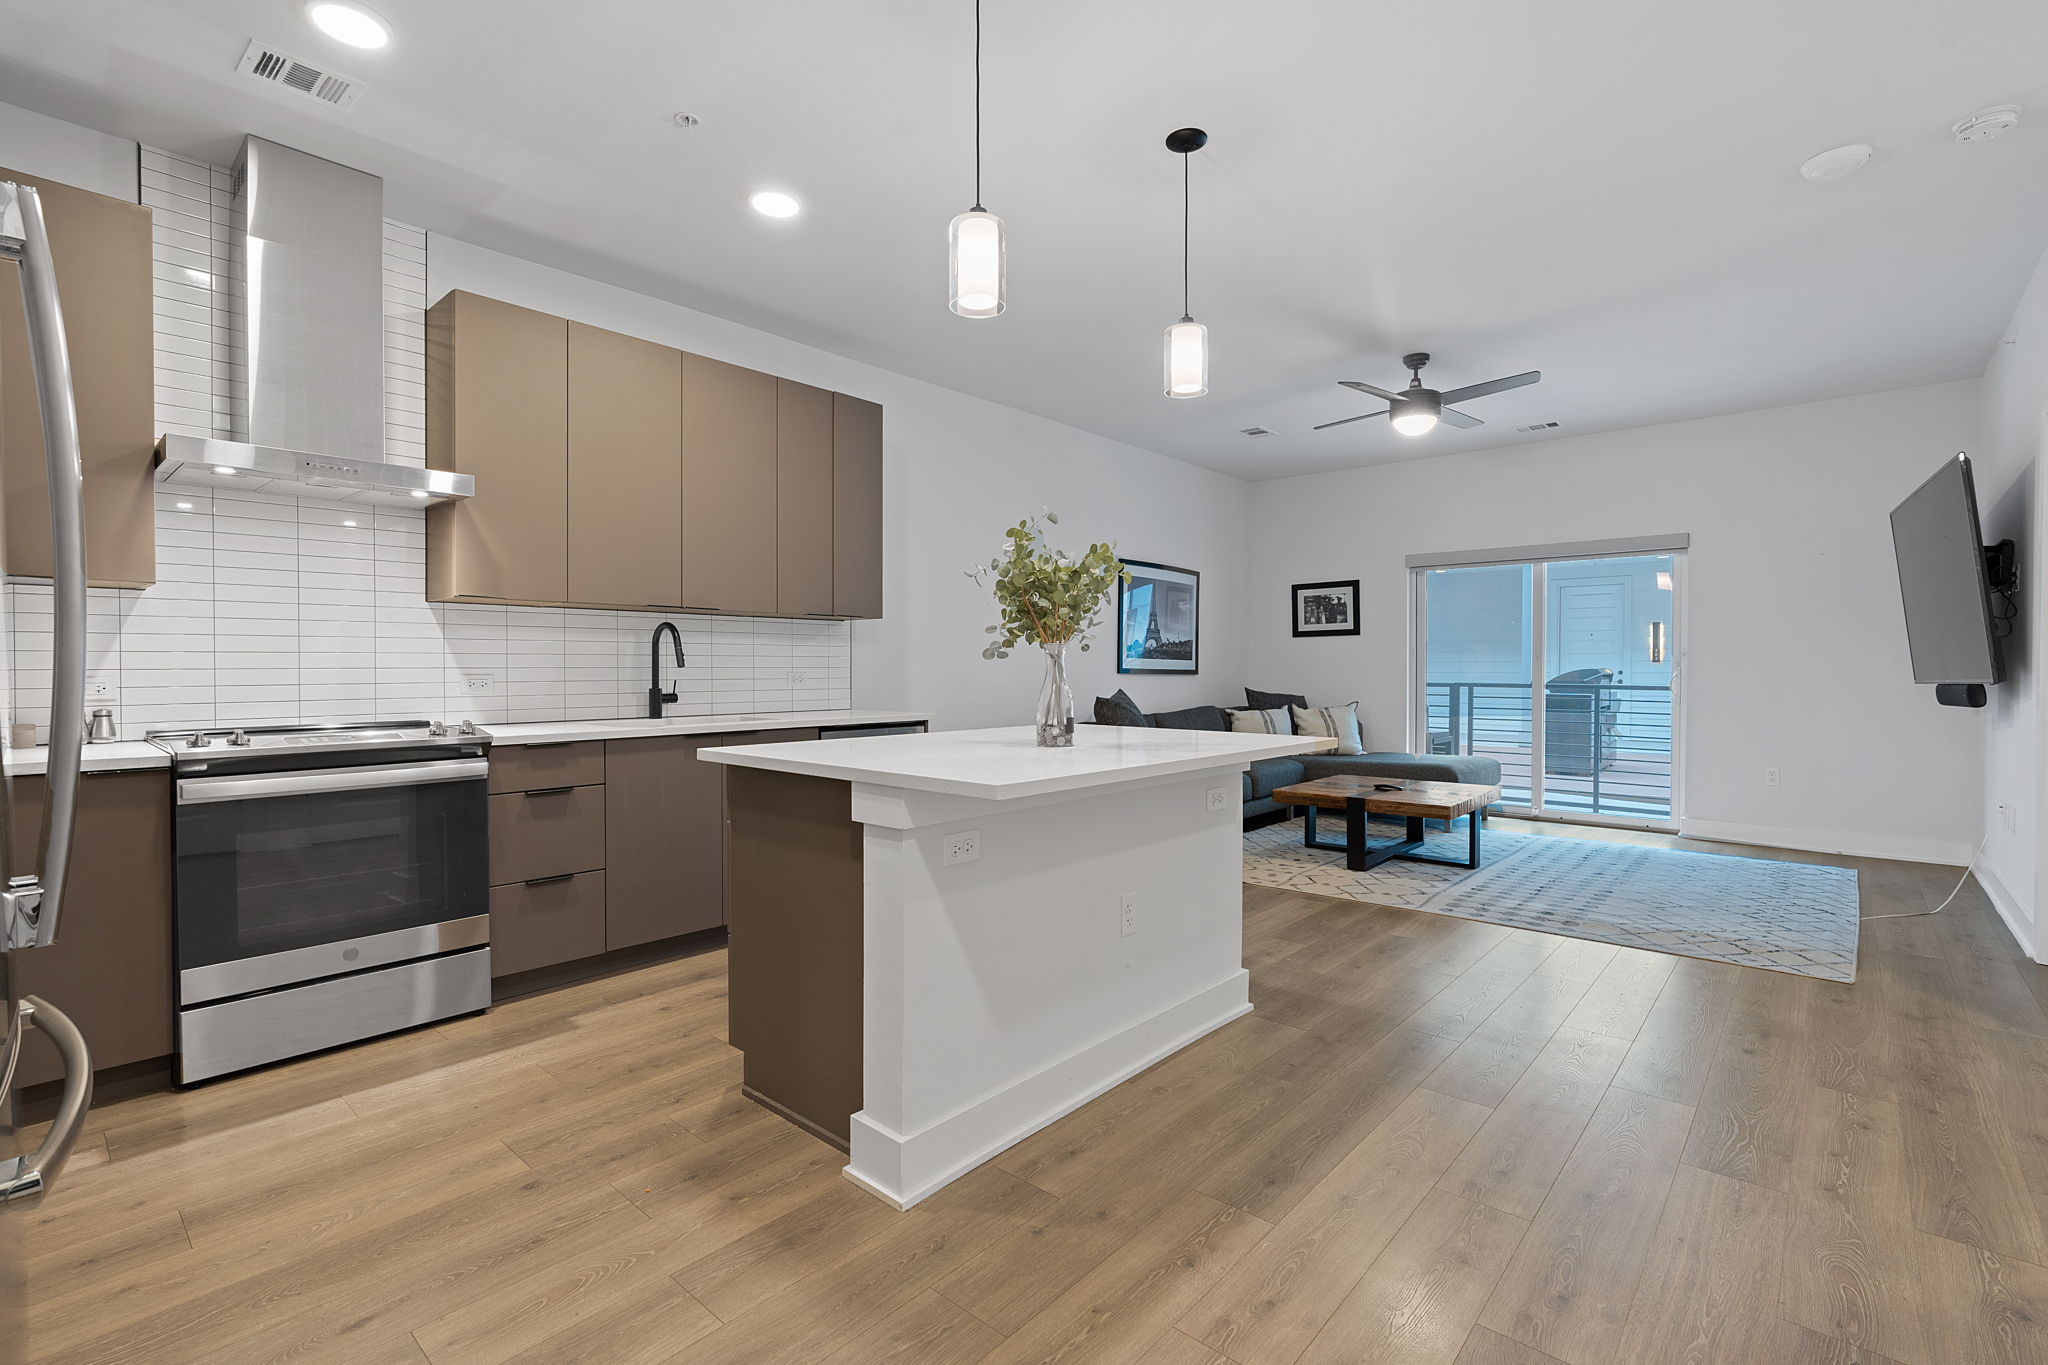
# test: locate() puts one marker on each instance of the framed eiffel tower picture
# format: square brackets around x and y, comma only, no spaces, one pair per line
[1159,620]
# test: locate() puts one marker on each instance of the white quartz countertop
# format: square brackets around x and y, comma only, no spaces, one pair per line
[119,756]
[124,755]
[559,731]
[1000,764]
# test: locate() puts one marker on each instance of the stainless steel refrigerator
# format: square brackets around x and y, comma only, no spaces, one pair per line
[32,896]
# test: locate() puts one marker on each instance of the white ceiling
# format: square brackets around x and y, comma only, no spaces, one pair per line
[1605,190]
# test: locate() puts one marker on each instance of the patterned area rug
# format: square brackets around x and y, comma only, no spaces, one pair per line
[1783,917]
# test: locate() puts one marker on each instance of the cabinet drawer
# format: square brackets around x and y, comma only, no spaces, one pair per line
[541,924]
[546,832]
[529,767]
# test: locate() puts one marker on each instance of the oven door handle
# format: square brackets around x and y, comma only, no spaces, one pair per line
[199,790]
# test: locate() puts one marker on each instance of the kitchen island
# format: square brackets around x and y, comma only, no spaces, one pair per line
[941,943]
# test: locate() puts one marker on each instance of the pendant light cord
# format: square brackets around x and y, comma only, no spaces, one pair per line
[977,108]
[1185,313]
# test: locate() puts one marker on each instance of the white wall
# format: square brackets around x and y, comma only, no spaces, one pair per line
[2010,496]
[1795,645]
[958,471]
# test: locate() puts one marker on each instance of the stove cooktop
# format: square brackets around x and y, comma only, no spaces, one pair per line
[311,744]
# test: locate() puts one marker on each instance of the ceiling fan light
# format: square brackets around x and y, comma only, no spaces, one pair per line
[1187,359]
[1414,423]
[1415,414]
[976,264]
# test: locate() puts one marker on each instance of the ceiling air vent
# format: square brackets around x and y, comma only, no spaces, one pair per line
[1255,431]
[265,63]
[1540,426]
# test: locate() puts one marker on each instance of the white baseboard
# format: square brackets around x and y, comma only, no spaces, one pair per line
[902,1169]
[2008,907]
[1902,847]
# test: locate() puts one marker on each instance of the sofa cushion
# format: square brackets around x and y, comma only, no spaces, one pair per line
[1193,718]
[1405,767]
[1266,701]
[1120,710]
[1252,722]
[1331,722]
[1266,774]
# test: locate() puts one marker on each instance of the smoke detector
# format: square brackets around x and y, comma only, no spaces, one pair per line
[1837,162]
[274,66]
[1987,124]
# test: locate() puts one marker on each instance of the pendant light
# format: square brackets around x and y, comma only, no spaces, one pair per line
[974,257]
[1187,341]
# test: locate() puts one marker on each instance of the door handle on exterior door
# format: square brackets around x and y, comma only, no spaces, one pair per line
[33,906]
[24,1180]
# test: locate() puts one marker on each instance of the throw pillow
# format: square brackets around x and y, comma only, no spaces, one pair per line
[1258,722]
[1193,718]
[1266,701]
[1120,710]
[1333,722]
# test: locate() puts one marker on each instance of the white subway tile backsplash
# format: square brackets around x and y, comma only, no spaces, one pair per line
[272,611]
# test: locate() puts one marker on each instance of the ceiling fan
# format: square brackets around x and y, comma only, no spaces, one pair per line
[1417,409]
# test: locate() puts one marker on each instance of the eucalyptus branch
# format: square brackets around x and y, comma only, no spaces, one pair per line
[1045,595]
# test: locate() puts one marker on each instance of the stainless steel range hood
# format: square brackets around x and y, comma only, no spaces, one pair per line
[308,276]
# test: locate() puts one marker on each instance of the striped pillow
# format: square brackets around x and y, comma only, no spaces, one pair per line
[1333,722]
[1255,722]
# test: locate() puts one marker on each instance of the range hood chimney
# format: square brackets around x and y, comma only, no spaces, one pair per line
[308,265]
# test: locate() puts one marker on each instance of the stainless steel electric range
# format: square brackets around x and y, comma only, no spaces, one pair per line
[331,884]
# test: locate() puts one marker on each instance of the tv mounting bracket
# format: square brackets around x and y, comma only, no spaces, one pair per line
[2001,567]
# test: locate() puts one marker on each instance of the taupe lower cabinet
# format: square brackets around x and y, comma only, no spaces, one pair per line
[604,844]
[615,472]
[112,966]
[665,839]
[102,250]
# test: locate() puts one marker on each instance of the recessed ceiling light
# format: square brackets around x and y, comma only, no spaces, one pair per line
[351,24]
[1837,162]
[775,204]
[223,469]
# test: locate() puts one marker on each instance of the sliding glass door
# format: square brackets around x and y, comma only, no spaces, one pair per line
[1564,670]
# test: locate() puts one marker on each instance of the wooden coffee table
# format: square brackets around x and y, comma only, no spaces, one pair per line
[1360,797]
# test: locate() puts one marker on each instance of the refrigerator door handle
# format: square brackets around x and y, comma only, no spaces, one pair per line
[33,906]
[25,1180]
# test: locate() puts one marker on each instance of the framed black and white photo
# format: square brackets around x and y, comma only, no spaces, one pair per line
[1158,619]
[1326,608]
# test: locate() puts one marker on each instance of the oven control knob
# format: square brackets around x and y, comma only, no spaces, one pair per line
[200,740]
[436,730]
[467,727]
[239,739]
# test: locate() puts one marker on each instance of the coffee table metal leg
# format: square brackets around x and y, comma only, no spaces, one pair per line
[1354,833]
[1308,828]
[1475,822]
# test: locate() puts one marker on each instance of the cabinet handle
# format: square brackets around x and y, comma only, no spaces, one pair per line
[543,881]
[550,791]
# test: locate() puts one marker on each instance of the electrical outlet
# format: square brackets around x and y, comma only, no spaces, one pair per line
[1770,777]
[2007,818]
[1130,913]
[963,846]
[1219,798]
[798,677]
[479,682]
[99,687]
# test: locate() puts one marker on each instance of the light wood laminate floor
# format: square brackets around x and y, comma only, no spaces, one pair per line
[1434,1141]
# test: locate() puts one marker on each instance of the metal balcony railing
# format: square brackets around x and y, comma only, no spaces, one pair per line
[1606,746]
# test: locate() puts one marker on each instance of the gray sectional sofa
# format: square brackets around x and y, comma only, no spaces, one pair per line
[1268,774]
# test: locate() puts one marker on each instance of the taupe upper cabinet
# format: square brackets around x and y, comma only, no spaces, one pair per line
[856,507]
[625,480]
[728,464]
[498,408]
[102,250]
[803,499]
[615,472]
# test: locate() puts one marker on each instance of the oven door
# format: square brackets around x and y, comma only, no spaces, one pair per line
[293,876]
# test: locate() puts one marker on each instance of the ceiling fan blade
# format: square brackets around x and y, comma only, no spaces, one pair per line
[1344,421]
[1458,419]
[1513,381]
[1368,388]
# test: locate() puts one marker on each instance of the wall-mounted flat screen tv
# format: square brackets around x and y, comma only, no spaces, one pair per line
[1943,580]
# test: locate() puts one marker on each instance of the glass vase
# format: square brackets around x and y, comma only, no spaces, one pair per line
[1056,701]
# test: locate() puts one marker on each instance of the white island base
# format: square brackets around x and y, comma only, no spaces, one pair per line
[1035,927]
